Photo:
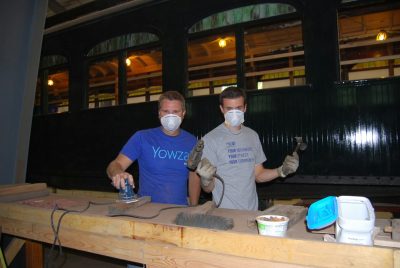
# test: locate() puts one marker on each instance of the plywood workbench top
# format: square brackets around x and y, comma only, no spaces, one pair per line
[244,221]
[159,242]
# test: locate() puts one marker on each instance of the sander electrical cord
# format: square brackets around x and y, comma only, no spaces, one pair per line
[56,230]
[192,163]
[194,160]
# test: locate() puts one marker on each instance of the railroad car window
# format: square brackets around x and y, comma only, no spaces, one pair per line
[144,70]
[129,66]
[52,86]
[272,50]
[103,83]
[363,54]
[212,66]
[274,56]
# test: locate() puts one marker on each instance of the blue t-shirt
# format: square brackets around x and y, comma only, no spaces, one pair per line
[163,174]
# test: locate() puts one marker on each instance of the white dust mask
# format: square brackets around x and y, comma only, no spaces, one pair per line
[234,118]
[171,122]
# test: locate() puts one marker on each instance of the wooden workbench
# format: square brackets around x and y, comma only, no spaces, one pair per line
[159,242]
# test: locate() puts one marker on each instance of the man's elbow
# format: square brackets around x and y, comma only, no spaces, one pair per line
[258,179]
[108,170]
[258,176]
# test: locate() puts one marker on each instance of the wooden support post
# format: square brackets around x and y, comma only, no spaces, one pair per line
[34,254]
[12,249]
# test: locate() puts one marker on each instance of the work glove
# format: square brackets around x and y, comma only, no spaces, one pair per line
[289,165]
[206,172]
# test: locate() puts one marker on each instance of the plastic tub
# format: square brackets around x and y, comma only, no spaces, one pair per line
[273,225]
[356,220]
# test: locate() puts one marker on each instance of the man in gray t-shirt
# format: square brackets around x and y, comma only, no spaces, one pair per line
[234,152]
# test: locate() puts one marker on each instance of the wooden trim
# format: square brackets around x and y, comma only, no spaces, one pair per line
[369,42]
[348,62]
[288,69]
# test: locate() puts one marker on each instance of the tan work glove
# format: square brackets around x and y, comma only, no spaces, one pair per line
[289,165]
[206,172]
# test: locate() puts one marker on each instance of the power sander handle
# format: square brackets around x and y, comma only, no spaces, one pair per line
[195,155]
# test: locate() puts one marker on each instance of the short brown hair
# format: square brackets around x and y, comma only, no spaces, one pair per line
[232,93]
[172,95]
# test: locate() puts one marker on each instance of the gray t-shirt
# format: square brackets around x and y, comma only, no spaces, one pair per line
[234,156]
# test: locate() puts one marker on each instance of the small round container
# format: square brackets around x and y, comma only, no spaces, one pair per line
[273,225]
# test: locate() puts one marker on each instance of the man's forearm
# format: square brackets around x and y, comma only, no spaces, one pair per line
[194,188]
[113,169]
[266,175]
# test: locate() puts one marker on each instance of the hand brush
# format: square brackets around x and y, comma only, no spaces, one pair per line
[199,217]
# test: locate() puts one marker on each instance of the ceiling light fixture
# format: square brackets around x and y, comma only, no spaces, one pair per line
[382,35]
[128,62]
[50,82]
[222,42]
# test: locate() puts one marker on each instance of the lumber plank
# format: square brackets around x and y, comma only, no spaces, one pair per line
[205,208]
[156,253]
[124,208]
[23,196]
[294,213]
[396,257]
[13,248]
[303,252]
[280,250]
[396,230]
[386,243]
[158,243]
[11,189]
[196,258]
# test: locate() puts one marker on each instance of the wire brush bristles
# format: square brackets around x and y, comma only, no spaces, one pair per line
[205,221]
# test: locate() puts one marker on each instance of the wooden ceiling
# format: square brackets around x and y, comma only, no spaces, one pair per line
[365,26]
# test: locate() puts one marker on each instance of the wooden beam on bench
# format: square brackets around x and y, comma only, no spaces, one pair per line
[16,192]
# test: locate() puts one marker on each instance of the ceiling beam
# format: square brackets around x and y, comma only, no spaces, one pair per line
[55,7]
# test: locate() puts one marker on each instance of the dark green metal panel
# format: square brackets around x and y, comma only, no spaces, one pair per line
[352,131]
[362,131]
[72,150]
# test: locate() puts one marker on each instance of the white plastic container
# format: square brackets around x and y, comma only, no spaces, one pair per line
[356,220]
[273,225]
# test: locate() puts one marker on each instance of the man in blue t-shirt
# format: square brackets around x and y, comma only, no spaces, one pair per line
[161,153]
